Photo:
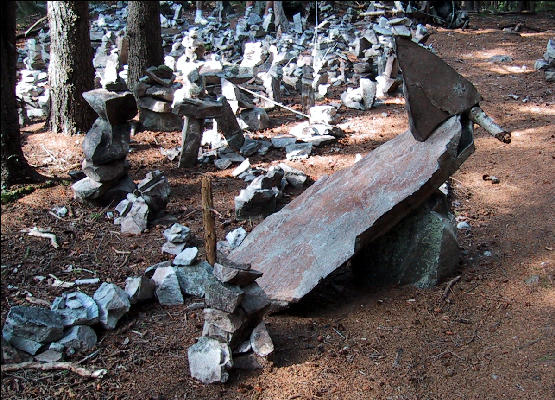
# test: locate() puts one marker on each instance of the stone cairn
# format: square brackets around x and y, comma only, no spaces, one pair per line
[105,148]
[547,63]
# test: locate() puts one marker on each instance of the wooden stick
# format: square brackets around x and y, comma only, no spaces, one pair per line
[272,101]
[208,220]
[478,116]
[450,284]
[97,374]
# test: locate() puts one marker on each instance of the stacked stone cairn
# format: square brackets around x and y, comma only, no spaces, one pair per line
[155,94]
[547,63]
[105,148]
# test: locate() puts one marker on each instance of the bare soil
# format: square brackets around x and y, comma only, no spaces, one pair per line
[492,339]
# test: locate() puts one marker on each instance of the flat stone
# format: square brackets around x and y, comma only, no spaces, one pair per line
[243,167]
[173,248]
[168,290]
[261,341]
[116,108]
[88,189]
[154,105]
[222,163]
[283,141]
[136,220]
[79,338]
[298,151]
[222,296]
[186,257]
[113,303]
[235,276]
[235,237]
[105,143]
[177,233]
[49,355]
[30,328]
[209,360]
[76,308]
[194,279]
[139,289]
[224,326]
[106,172]
[149,271]
[295,249]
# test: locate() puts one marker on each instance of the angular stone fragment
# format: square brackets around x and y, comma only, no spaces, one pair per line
[76,309]
[298,151]
[105,143]
[261,341]
[295,249]
[235,276]
[30,328]
[186,257]
[255,202]
[136,220]
[162,122]
[209,360]
[255,301]
[105,172]
[116,108]
[167,286]
[293,176]
[173,248]
[194,279]
[113,303]
[322,114]
[149,272]
[139,289]
[88,189]
[229,327]
[235,237]
[79,338]
[12,355]
[155,189]
[222,296]
[177,233]
[256,119]
[49,355]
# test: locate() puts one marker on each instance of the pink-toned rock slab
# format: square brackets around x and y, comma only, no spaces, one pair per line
[325,226]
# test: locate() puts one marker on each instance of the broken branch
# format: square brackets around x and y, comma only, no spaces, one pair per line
[97,374]
[38,232]
[478,116]
[450,284]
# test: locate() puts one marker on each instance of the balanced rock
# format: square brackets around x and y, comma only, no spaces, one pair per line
[105,143]
[116,108]
[113,303]
[105,172]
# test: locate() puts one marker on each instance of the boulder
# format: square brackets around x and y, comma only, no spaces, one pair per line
[113,303]
[209,360]
[76,308]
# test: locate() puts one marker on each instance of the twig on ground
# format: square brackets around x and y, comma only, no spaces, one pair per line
[43,233]
[97,374]
[450,284]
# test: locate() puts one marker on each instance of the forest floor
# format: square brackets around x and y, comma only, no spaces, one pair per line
[492,339]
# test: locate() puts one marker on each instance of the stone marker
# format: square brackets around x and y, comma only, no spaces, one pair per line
[209,360]
[116,108]
[357,204]
[113,303]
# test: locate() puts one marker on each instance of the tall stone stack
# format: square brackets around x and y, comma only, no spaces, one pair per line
[234,334]
[105,148]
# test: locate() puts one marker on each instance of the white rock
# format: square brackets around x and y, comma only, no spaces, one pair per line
[186,257]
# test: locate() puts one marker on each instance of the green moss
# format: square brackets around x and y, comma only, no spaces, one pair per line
[9,196]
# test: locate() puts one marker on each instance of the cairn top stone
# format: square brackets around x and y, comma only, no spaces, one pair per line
[116,108]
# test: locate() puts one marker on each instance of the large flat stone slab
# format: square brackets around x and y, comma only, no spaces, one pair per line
[324,227]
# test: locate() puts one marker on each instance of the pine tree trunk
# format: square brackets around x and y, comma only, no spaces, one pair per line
[14,165]
[71,69]
[145,39]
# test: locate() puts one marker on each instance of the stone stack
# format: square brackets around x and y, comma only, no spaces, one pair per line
[547,63]
[155,94]
[260,197]
[234,334]
[105,148]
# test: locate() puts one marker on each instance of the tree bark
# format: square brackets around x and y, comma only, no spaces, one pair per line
[15,168]
[71,70]
[145,39]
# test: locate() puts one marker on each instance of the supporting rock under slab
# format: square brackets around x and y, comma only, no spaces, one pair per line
[331,221]
[112,303]
[420,250]
[209,360]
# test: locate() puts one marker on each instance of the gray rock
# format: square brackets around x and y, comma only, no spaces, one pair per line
[105,143]
[532,280]
[30,328]
[247,362]
[155,189]
[250,147]
[118,191]
[322,114]
[154,105]
[167,286]
[255,301]
[224,326]
[161,122]
[88,189]
[149,272]
[139,289]
[502,58]
[12,355]
[116,108]
[236,237]
[252,202]
[209,360]
[463,225]
[261,341]
[136,220]
[49,355]
[79,338]
[243,167]
[298,151]
[113,303]
[173,248]
[177,233]
[283,141]
[76,308]
[255,118]
[106,172]
[272,179]
[186,257]
[222,296]
[235,276]
[222,163]
[194,279]
[293,176]
[550,75]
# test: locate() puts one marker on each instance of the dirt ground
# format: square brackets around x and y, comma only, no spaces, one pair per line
[492,339]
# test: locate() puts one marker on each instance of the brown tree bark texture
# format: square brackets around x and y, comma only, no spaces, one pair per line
[145,40]
[14,165]
[71,70]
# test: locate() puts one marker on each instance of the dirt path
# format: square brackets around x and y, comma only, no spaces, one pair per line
[494,339]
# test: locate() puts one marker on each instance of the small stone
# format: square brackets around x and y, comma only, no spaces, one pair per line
[209,360]
[261,341]
[136,220]
[168,290]
[500,59]
[235,276]
[105,143]
[76,309]
[177,233]
[113,303]
[255,300]
[194,279]
[173,248]
[222,164]
[79,338]
[243,167]
[463,225]
[283,141]
[88,189]
[223,296]
[322,115]
[255,202]
[49,355]
[186,257]
[149,272]
[256,119]
[105,172]
[139,289]
[532,280]
[293,176]
[236,237]
[298,151]
[155,189]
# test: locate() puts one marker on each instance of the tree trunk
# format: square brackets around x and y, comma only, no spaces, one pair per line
[71,70]
[14,165]
[145,39]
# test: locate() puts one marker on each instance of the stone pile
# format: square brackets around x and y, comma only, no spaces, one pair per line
[547,63]
[234,333]
[105,148]
[144,204]
[176,237]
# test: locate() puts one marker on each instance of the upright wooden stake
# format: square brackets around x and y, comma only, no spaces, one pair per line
[209,221]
